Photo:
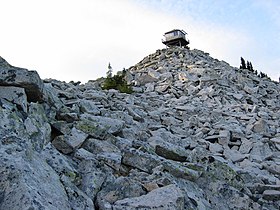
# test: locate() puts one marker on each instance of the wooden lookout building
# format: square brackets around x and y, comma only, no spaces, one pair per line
[175,37]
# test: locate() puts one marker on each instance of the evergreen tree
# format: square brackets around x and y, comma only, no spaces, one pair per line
[243,64]
[116,82]
[251,66]
[261,75]
[109,73]
[248,65]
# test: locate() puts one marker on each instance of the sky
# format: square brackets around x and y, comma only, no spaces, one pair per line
[75,40]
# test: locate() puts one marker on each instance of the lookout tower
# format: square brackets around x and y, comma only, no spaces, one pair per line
[175,37]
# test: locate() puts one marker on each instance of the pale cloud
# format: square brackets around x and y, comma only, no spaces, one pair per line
[223,43]
[272,8]
[231,29]
[75,40]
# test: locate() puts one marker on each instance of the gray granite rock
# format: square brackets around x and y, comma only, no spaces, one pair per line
[51,96]
[157,199]
[272,195]
[118,189]
[260,126]
[276,140]
[92,177]
[104,151]
[15,95]
[25,181]
[167,150]
[246,146]
[68,143]
[216,148]
[19,77]
[141,160]
[37,126]
[234,156]
[58,162]
[76,198]
[153,73]
[98,126]
[89,107]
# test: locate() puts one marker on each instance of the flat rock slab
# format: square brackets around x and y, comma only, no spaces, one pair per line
[67,143]
[234,156]
[168,197]
[260,126]
[263,187]
[98,126]
[138,159]
[167,150]
[273,195]
[276,140]
[216,148]
[30,183]
[15,95]
[19,77]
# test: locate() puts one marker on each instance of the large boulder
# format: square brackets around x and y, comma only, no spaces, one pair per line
[16,95]
[19,77]
[168,197]
[26,180]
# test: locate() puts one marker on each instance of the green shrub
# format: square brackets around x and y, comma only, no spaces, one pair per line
[117,82]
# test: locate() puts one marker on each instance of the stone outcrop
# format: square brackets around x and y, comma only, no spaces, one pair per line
[156,199]
[195,134]
[19,77]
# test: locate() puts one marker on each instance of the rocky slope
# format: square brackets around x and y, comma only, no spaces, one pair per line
[195,134]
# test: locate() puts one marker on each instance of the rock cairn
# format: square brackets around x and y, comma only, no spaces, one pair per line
[195,134]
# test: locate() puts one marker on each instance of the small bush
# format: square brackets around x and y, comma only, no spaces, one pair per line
[117,82]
